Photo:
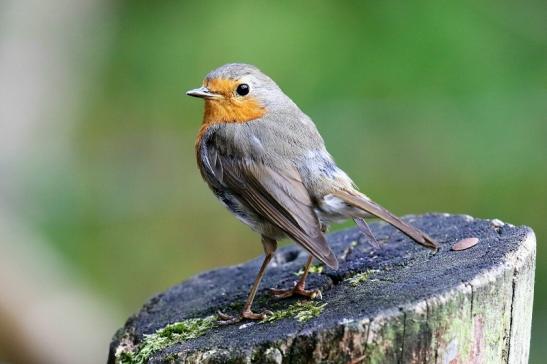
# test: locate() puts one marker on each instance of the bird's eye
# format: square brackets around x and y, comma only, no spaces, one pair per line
[242,89]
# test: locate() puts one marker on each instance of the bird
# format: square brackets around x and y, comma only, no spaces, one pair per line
[265,160]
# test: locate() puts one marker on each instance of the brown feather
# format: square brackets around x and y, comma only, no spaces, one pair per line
[279,197]
[355,199]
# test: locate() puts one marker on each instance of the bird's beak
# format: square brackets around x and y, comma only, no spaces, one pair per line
[203,92]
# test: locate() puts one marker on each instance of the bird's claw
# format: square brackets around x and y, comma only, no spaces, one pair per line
[224,319]
[297,291]
[250,315]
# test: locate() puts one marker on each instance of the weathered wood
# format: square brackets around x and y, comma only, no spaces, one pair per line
[398,304]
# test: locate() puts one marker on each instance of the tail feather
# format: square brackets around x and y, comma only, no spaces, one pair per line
[361,202]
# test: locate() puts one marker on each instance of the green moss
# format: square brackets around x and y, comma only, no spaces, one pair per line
[359,278]
[317,269]
[165,337]
[302,311]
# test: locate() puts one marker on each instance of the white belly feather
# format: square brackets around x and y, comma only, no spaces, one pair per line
[333,210]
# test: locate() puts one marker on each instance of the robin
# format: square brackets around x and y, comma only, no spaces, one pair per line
[266,162]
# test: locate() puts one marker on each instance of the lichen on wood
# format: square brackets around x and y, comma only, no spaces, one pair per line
[314,269]
[359,278]
[301,311]
[171,334]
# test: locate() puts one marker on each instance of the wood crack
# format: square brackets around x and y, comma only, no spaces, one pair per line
[513,285]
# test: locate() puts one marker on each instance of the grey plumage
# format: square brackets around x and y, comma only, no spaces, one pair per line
[275,173]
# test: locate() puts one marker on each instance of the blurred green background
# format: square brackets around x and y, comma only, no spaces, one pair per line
[429,106]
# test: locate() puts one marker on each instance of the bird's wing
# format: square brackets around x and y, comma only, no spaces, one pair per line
[277,195]
[362,202]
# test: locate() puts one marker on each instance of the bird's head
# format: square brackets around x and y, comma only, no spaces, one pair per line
[238,93]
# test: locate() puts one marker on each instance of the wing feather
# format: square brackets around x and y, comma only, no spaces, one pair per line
[360,201]
[278,196]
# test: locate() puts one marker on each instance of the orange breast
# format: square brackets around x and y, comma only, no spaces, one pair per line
[230,108]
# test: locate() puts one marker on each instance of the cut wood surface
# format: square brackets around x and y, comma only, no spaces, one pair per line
[400,303]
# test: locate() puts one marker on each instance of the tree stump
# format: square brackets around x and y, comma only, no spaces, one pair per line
[400,303]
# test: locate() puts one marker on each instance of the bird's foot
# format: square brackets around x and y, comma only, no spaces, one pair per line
[298,290]
[224,319]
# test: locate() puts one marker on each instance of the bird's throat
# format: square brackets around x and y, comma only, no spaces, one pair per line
[231,110]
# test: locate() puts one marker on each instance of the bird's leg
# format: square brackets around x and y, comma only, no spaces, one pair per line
[300,288]
[270,246]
